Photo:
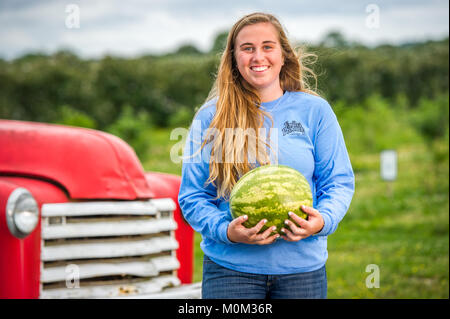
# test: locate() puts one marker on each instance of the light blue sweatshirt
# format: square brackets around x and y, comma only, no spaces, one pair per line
[310,140]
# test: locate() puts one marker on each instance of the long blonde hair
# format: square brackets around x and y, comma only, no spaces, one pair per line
[238,106]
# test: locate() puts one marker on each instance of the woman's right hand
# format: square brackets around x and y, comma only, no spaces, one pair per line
[238,233]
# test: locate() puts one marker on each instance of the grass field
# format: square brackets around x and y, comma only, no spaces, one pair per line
[404,232]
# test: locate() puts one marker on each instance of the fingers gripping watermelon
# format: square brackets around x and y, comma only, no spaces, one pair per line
[270,192]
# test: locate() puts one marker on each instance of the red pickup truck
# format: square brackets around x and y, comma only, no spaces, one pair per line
[79,218]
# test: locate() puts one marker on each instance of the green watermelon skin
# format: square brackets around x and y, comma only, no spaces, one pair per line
[270,192]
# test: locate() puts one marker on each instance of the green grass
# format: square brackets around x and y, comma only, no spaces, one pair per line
[158,156]
[405,232]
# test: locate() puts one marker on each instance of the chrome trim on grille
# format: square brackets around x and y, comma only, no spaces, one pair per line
[117,248]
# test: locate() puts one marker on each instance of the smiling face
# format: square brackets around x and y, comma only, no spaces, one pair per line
[259,58]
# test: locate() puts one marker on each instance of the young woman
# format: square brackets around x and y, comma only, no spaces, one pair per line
[260,84]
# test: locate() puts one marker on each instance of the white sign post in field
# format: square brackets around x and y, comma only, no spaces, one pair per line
[388,168]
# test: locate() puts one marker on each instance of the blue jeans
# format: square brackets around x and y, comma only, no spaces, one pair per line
[223,283]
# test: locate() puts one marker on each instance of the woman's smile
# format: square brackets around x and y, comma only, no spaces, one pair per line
[259,68]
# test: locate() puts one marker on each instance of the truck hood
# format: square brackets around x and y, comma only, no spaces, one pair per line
[89,164]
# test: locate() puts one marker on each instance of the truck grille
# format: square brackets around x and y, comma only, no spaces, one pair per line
[108,249]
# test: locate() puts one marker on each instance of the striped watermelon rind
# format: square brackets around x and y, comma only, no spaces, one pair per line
[270,192]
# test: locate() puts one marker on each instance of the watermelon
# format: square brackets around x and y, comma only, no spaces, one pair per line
[270,192]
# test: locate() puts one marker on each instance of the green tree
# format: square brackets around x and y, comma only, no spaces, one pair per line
[188,49]
[220,41]
[133,129]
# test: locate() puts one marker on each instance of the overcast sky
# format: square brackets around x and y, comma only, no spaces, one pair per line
[93,28]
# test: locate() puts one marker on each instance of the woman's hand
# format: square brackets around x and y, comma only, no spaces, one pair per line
[238,233]
[303,228]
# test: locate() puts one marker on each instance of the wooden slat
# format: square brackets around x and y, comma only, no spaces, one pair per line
[149,268]
[164,204]
[152,286]
[108,250]
[101,229]
[185,291]
[150,207]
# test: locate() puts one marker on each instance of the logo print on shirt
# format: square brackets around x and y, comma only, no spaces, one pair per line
[293,127]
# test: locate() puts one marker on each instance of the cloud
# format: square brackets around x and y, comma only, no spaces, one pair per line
[137,26]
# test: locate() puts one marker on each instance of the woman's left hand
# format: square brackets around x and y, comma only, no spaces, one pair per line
[302,228]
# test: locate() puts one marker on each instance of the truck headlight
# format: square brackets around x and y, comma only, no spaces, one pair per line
[22,213]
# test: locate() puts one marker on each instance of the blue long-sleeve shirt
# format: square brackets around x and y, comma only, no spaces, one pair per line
[305,136]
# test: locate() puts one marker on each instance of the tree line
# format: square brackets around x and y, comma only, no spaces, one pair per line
[164,90]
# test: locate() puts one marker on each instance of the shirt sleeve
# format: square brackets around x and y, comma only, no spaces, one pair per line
[333,173]
[197,199]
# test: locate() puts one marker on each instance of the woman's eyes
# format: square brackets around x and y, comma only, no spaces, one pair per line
[251,49]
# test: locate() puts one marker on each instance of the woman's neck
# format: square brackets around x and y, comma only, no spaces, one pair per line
[270,94]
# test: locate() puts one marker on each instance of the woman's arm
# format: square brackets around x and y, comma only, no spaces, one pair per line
[333,173]
[197,199]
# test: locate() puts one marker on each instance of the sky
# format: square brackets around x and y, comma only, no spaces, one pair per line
[93,28]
